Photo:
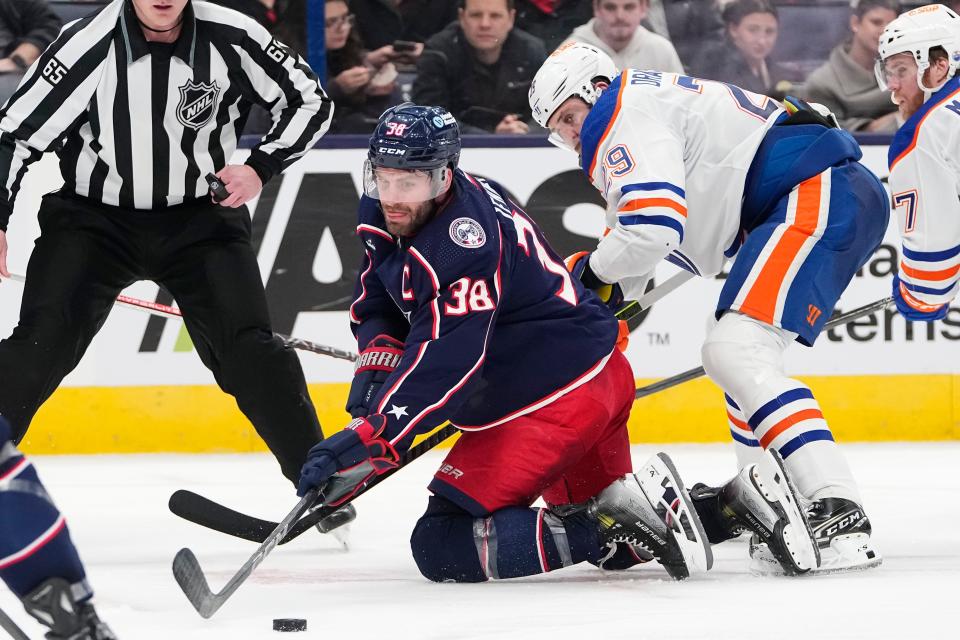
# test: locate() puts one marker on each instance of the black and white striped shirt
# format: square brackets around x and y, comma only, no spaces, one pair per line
[138,124]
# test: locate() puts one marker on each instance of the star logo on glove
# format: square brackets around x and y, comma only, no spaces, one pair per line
[399,412]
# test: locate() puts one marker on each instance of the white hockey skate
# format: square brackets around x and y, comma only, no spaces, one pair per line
[842,531]
[762,498]
[651,510]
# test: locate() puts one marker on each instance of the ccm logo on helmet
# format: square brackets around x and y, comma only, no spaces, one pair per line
[391,151]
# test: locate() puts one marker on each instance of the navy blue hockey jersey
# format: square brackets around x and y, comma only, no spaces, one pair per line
[494,325]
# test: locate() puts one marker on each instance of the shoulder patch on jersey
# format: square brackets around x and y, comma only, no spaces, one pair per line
[467,233]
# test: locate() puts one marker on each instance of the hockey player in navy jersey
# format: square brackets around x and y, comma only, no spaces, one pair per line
[37,558]
[698,173]
[463,312]
[919,58]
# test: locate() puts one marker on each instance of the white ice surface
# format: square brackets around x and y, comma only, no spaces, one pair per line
[116,508]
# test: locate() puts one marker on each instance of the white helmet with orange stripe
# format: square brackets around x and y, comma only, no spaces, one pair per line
[917,32]
[569,71]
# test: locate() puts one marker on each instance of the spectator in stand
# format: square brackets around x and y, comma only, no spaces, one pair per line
[552,20]
[383,22]
[743,59]
[260,10]
[359,82]
[480,68]
[846,83]
[616,30]
[690,25]
[27,27]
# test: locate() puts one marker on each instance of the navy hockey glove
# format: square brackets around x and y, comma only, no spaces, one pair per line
[342,464]
[909,310]
[579,267]
[373,367]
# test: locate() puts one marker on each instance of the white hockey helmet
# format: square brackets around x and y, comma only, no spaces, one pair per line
[916,32]
[568,71]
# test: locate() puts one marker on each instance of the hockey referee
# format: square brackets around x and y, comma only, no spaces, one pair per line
[140,102]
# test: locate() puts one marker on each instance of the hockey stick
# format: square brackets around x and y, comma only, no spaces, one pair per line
[693,374]
[11,627]
[193,582]
[632,309]
[190,577]
[167,311]
[213,515]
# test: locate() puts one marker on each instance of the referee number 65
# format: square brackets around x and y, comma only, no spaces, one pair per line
[54,71]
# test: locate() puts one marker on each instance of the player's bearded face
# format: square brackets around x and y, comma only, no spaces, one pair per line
[900,73]
[406,200]
[159,14]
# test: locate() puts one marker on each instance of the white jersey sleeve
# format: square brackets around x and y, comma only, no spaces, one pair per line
[925,187]
[639,162]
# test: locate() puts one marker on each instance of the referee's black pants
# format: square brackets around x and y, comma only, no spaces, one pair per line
[88,252]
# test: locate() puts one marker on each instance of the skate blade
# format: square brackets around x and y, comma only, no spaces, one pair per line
[773,482]
[845,554]
[342,536]
[337,525]
[664,489]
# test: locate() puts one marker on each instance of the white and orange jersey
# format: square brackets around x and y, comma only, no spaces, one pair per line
[925,185]
[671,153]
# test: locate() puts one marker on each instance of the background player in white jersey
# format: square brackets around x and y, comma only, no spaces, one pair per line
[919,57]
[697,172]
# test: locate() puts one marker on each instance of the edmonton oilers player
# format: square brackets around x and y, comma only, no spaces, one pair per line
[919,58]
[37,558]
[699,172]
[463,312]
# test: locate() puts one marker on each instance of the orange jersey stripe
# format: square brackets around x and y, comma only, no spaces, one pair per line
[739,424]
[942,274]
[643,203]
[907,296]
[613,118]
[786,423]
[762,298]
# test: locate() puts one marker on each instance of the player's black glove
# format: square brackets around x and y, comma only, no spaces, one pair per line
[579,266]
[372,369]
[802,112]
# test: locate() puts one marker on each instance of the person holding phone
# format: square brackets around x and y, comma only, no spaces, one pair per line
[361,82]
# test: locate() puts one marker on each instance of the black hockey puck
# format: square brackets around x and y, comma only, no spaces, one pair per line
[289,624]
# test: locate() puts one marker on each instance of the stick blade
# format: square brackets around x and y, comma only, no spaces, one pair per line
[189,575]
[213,515]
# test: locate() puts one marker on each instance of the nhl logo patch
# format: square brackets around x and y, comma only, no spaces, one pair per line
[198,103]
[467,233]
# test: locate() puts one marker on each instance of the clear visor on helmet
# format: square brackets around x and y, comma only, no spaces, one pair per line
[897,67]
[403,185]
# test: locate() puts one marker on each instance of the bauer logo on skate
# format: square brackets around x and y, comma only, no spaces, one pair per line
[304,231]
